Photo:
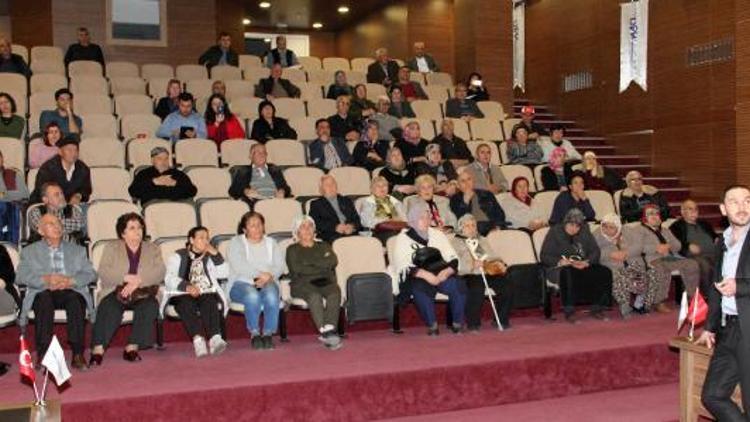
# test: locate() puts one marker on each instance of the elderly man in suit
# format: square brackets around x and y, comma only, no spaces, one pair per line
[57,274]
[334,214]
[727,328]
[384,71]
[422,62]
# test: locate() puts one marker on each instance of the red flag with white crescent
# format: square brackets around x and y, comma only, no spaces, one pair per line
[24,361]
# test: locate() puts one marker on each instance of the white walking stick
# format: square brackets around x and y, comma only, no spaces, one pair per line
[473,244]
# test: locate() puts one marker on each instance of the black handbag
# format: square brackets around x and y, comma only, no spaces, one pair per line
[429,259]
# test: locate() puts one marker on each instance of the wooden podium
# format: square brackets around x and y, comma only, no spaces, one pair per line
[694,361]
[26,412]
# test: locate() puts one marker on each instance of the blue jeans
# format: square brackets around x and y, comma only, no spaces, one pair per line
[265,300]
[424,298]
[10,222]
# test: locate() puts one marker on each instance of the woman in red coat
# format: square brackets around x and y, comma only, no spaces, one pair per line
[221,124]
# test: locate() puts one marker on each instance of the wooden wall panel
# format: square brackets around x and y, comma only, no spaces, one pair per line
[31,22]
[384,28]
[684,123]
[229,15]
[431,21]
[464,17]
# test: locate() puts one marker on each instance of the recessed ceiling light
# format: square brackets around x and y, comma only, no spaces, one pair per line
[264,5]
[246,21]
[317,25]
[266,40]
[343,9]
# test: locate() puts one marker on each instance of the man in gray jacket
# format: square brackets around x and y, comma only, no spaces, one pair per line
[57,275]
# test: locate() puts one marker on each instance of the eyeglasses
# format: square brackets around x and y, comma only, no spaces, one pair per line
[650,213]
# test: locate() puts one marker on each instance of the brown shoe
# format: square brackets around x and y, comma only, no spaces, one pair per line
[79,363]
[663,308]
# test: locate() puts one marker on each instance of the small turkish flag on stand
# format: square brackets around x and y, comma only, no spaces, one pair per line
[24,360]
[696,313]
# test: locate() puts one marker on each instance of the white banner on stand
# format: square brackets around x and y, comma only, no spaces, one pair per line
[633,44]
[519,44]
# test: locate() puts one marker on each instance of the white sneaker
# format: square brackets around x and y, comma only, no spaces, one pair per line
[217,345]
[199,345]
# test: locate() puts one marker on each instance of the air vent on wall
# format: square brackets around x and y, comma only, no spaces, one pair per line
[577,81]
[712,52]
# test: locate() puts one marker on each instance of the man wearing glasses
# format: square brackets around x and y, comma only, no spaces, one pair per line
[637,195]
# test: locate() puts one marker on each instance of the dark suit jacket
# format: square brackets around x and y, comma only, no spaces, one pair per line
[489,205]
[326,219]
[742,296]
[244,175]
[262,131]
[679,230]
[52,171]
[375,74]
[143,188]
[265,86]
[412,63]
[212,56]
[317,156]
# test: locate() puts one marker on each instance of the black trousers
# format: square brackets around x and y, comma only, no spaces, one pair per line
[590,285]
[109,318]
[199,314]
[44,306]
[729,366]
[504,289]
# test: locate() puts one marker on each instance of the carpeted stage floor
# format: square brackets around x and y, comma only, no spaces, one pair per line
[589,371]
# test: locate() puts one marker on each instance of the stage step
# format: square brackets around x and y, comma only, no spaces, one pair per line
[608,160]
[676,194]
[662,182]
[622,170]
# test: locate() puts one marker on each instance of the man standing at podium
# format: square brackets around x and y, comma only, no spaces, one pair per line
[727,328]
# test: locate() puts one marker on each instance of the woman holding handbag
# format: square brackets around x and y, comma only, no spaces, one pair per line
[425,263]
[130,272]
[470,270]
[380,212]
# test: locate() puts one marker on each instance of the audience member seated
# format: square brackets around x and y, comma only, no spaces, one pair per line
[256,262]
[519,207]
[573,197]
[399,107]
[381,213]
[522,150]
[487,176]
[45,147]
[370,152]
[471,269]
[11,62]
[400,177]
[274,86]
[161,181]
[344,124]
[383,71]
[63,115]
[533,129]
[130,272]
[570,257]
[411,90]
[698,240]
[65,169]
[481,204]
[596,176]
[660,250]
[57,275]
[475,88]
[459,107]
[637,195]
[327,152]
[620,252]
[11,124]
[10,302]
[281,55]
[556,173]
[425,263]
[259,180]
[221,123]
[335,215]
[171,102]
[53,202]
[312,270]
[557,140]
[184,123]
[441,216]
[412,145]
[422,62]
[452,147]
[339,86]
[268,127]
[84,49]
[440,169]
[219,87]
[192,283]
[221,53]
[361,107]
[13,193]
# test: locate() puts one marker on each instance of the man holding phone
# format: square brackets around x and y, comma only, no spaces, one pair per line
[727,328]
[184,122]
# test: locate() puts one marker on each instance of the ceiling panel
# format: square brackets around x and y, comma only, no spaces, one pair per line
[301,14]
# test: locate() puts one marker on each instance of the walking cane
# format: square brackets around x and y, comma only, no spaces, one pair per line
[473,244]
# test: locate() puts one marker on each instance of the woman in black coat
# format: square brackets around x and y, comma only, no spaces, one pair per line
[268,127]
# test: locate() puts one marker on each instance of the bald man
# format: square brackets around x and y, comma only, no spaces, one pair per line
[698,240]
[12,63]
[335,215]
[422,62]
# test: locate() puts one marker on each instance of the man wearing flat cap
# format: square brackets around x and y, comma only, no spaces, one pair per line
[66,170]
[161,180]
